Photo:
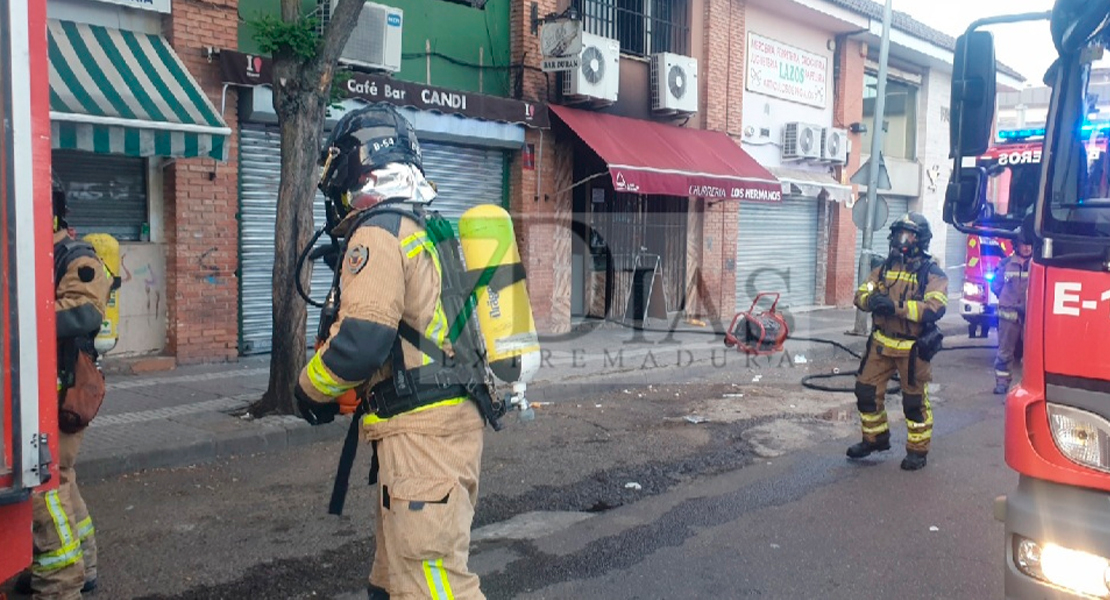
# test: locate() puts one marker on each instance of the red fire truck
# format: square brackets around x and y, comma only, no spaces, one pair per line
[28,401]
[1057,521]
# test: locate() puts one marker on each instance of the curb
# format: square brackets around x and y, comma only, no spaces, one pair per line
[282,432]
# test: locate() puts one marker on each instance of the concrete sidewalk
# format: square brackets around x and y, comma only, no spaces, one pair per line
[183,417]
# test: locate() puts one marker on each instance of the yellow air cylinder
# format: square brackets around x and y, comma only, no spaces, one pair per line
[503,309]
[107,248]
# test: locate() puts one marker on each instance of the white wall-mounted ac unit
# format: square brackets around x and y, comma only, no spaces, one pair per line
[674,83]
[597,78]
[801,141]
[375,42]
[834,145]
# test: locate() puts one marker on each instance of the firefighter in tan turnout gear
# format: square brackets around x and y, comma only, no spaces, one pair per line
[64,562]
[1010,283]
[907,295]
[389,344]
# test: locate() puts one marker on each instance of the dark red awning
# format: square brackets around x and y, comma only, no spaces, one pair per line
[646,157]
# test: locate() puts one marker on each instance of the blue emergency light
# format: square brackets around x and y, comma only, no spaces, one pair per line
[1029,133]
[990,276]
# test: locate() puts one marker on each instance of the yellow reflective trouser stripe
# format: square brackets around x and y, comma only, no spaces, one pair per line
[436,575]
[322,380]
[372,419]
[58,559]
[873,422]
[70,551]
[941,296]
[1009,315]
[892,343]
[913,310]
[58,514]
[917,433]
[85,529]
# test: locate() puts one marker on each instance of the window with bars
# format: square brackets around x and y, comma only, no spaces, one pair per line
[643,27]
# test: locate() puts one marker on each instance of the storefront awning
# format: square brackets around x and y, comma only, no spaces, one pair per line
[799,182]
[646,157]
[124,92]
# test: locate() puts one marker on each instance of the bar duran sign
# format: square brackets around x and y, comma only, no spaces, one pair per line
[786,72]
[162,6]
[250,70]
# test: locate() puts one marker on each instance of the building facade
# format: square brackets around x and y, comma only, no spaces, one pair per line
[142,133]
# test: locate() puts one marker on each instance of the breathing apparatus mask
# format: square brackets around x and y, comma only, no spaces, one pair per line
[909,237]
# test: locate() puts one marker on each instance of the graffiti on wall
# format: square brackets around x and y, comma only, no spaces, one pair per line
[150,279]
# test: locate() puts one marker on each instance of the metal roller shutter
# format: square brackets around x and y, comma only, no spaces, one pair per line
[897,206]
[465,176]
[777,251]
[106,193]
[955,255]
[259,174]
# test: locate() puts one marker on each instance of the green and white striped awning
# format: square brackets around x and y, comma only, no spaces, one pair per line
[124,92]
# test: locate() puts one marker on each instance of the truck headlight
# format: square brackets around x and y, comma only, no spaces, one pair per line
[973,290]
[1083,437]
[1073,570]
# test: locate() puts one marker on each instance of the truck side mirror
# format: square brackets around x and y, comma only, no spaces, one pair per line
[963,200]
[974,81]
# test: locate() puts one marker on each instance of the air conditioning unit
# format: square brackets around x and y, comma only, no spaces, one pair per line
[597,78]
[801,141]
[375,42]
[674,83]
[834,145]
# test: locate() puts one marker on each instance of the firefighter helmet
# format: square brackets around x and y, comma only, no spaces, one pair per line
[365,140]
[914,223]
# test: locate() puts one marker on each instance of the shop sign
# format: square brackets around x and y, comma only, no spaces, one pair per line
[162,6]
[782,71]
[245,69]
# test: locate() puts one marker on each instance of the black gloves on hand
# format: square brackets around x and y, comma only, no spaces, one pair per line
[315,413]
[881,305]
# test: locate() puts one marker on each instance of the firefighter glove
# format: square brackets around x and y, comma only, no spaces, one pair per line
[315,413]
[881,305]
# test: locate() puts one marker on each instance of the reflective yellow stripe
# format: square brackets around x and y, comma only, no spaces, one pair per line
[974,261]
[893,344]
[863,298]
[58,559]
[917,433]
[436,576]
[1009,315]
[414,244]
[901,276]
[322,380]
[872,417]
[941,296]
[85,529]
[877,429]
[913,310]
[436,331]
[372,419]
[58,514]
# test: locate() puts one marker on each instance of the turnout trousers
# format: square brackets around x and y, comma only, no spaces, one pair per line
[879,365]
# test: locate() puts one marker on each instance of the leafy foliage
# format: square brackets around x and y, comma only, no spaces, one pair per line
[276,36]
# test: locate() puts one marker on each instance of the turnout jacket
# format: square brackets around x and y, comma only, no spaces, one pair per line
[390,273]
[919,290]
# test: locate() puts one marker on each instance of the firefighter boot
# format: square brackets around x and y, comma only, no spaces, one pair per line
[1001,386]
[865,448]
[913,461]
[374,592]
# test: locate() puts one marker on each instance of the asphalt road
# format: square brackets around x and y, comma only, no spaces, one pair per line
[616,495]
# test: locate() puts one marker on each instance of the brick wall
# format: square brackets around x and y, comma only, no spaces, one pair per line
[842,261]
[202,202]
[722,81]
[541,216]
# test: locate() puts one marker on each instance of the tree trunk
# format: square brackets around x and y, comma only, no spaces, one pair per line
[300,115]
[302,88]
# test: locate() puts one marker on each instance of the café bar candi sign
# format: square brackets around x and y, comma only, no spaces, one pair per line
[247,69]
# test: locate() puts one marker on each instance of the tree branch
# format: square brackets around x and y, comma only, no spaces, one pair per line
[342,23]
